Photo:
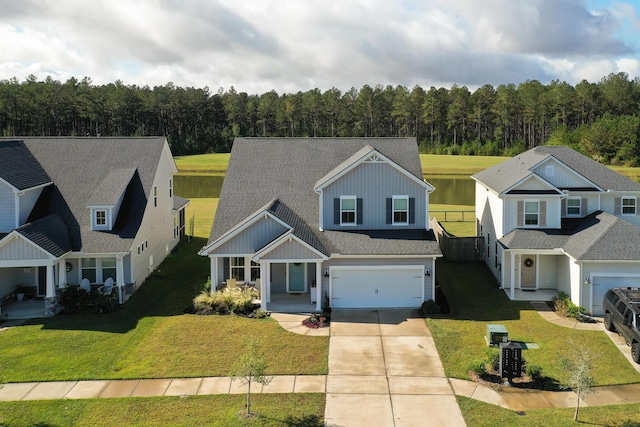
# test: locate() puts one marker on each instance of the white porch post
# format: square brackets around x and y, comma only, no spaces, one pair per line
[512,293]
[318,285]
[264,286]
[120,277]
[213,261]
[51,299]
[51,285]
[62,273]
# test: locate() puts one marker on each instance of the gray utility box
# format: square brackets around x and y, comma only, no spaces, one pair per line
[496,334]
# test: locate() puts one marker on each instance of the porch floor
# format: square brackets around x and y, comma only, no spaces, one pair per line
[29,309]
[533,295]
[291,303]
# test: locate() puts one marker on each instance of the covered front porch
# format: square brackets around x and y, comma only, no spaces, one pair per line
[535,275]
[532,295]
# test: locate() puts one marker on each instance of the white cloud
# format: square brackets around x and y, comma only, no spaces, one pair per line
[258,45]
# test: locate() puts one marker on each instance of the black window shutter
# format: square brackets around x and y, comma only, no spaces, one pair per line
[336,211]
[412,210]
[389,210]
[359,211]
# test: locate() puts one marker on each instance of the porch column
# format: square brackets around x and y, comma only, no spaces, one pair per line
[213,271]
[51,299]
[62,273]
[512,293]
[120,277]
[318,285]
[264,277]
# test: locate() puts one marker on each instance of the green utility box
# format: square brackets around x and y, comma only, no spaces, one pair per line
[496,334]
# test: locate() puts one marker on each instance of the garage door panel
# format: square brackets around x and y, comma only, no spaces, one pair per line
[601,284]
[389,287]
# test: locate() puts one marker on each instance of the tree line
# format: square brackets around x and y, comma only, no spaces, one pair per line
[600,119]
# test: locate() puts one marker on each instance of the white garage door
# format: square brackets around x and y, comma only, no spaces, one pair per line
[601,284]
[377,288]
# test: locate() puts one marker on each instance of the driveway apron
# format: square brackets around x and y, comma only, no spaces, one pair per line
[384,370]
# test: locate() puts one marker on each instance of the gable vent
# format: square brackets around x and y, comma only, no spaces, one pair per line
[374,158]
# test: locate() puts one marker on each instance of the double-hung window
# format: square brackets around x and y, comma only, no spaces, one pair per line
[237,268]
[101,217]
[155,196]
[255,271]
[348,208]
[88,267]
[531,213]
[628,206]
[108,268]
[573,206]
[400,210]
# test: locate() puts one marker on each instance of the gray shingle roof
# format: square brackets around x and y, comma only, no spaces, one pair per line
[18,166]
[599,236]
[179,202]
[286,169]
[111,187]
[78,166]
[50,233]
[506,174]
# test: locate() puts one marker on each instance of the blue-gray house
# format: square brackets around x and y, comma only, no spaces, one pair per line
[343,221]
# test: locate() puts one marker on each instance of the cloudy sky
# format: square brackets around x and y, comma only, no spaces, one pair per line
[291,45]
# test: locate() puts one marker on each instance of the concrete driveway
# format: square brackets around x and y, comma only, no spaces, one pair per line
[384,370]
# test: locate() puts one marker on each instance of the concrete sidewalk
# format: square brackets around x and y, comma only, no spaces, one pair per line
[158,387]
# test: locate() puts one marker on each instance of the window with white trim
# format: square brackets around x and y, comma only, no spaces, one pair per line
[155,196]
[88,269]
[236,265]
[574,206]
[255,271]
[628,206]
[400,210]
[170,187]
[108,268]
[348,210]
[531,213]
[101,217]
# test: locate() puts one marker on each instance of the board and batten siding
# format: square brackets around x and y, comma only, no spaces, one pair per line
[551,212]
[291,250]
[374,183]
[561,176]
[7,208]
[18,249]
[252,238]
[532,184]
[427,263]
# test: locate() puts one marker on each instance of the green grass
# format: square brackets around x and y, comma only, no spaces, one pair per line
[150,337]
[202,211]
[476,301]
[433,164]
[480,414]
[454,224]
[208,163]
[220,410]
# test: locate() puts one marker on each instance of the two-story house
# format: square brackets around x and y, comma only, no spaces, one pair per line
[555,220]
[85,208]
[343,221]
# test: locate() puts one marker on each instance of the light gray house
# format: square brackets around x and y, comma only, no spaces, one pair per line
[75,208]
[555,220]
[326,220]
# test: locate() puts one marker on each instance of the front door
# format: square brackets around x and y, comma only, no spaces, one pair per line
[296,281]
[528,272]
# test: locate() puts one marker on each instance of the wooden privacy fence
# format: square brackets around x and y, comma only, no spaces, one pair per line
[458,249]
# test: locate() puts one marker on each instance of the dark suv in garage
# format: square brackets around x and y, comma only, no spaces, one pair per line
[622,315]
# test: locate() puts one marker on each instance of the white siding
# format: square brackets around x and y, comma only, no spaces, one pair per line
[252,238]
[562,176]
[563,282]
[532,184]
[511,211]
[26,203]
[290,250]
[18,249]
[7,208]
[547,271]
[608,203]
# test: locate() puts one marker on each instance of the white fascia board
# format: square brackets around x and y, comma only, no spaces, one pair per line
[16,235]
[383,256]
[239,228]
[282,239]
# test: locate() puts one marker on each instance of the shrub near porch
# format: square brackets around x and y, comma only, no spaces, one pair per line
[476,301]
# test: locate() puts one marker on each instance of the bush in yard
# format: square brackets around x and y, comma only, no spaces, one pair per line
[478,367]
[565,307]
[226,301]
[493,359]
[534,372]
[430,307]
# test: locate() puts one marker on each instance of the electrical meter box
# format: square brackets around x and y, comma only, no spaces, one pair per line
[496,334]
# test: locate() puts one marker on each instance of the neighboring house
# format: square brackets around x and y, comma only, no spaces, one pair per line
[556,220]
[74,208]
[338,221]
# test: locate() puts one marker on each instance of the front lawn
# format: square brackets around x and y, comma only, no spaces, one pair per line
[219,410]
[480,414]
[150,337]
[476,301]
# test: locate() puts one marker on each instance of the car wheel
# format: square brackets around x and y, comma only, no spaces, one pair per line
[635,352]
[608,323]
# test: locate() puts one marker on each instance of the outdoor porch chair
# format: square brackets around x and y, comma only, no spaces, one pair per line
[85,285]
[107,288]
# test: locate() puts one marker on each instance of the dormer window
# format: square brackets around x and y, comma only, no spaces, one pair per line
[348,210]
[101,218]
